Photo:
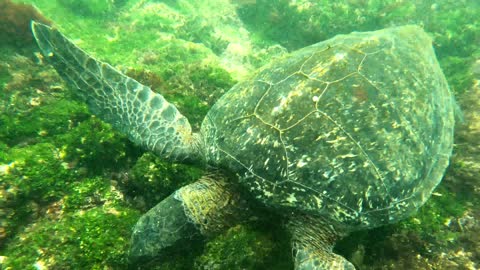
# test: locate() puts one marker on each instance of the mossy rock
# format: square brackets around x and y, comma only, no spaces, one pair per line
[152,179]
[40,121]
[32,177]
[37,172]
[91,192]
[93,146]
[96,238]
[246,247]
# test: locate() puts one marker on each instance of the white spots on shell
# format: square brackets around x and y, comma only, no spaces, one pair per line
[327,174]
[268,193]
[339,57]
[328,134]
[276,144]
[291,199]
[279,109]
[338,141]
[349,155]
[318,202]
[368,192]
[303,161]
[342,214]
[266,162]
[284,101]
[346,157]
[320,69]
[262,141]
[359,203]
[352,167]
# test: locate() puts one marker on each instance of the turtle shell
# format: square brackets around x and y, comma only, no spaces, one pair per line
[358,128]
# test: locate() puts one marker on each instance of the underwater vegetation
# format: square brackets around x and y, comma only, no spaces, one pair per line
[71,188]
[295,24]
[94,238]
[96,8]
[15,23]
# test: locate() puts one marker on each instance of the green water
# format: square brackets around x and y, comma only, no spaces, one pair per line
[72,188]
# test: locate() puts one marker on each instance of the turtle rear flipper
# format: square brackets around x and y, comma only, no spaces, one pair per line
[146,117]
[197,211]
[313,239]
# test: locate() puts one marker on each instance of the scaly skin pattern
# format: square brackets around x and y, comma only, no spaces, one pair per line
[313,239]
[163,228]
[196,211]
[132,108]
[214,204]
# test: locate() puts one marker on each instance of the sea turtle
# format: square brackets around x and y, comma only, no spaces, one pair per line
[350,133]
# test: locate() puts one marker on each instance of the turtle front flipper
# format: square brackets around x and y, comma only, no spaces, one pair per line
[199,210]
[146,117]
[312,240]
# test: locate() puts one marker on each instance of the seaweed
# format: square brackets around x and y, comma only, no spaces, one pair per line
[93,8]
[15,23]
[95,238]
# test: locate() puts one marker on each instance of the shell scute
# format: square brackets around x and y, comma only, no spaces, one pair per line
[357,128]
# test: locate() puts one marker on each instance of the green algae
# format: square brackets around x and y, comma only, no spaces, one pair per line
[91,192]
[453,25]
[38,172]
[49,119]
[152,179]
[95,238]
[35,177]
[436,215]
[5,77]
[457,72]
[246,247]
[75,151]
[91,7]
[93,145]
[432,230]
